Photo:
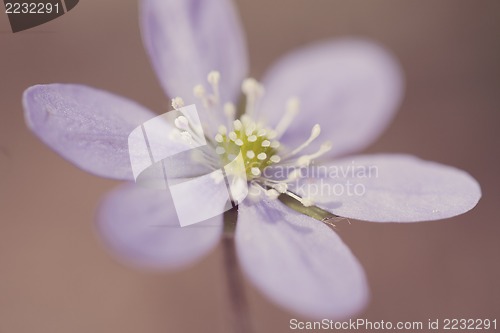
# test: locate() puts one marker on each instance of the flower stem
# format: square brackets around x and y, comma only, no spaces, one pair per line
[240,315]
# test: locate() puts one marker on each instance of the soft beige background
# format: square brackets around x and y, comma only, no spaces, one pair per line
[55,275]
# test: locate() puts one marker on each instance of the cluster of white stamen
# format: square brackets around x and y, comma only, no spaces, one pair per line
[177,103]
[259,145]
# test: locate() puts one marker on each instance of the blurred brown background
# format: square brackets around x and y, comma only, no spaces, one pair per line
[55,275]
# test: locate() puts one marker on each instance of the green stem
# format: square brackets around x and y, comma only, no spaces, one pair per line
[239,306]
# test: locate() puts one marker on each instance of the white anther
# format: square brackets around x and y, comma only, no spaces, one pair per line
[252,90]
[272,194]
[250,128]
[316,130]
[213,77]
[245,119]
[219,138]
[220,150]
[255,171]
[229,110]
[275,159]
[262,132]
[237,125]
[254,192]
[222,129]
[265,143]
[239,142]
[177,103]
[275,144]
[252,138]
[232,136]
[199,91]
[281,187]
[262,156]
[250,86]
[250,154]
[181,122]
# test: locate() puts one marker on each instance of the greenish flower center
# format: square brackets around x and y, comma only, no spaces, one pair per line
[254,142]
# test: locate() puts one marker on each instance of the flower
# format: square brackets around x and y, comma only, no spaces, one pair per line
[348,92]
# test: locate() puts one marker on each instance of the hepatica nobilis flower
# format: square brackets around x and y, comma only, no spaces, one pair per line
[318,103]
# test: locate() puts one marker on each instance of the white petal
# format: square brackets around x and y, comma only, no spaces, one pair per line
[141,227]
[299,263]
[351,88]
[391,188]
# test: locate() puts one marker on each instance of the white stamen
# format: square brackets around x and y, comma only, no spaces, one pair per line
[237,125]
[254,192]
[275,159]
[325,147]
[272,194]
[275,144]
[292,109]
[304,201]
[281,187]
[229,111]
[220,150]
[252,90]
[252,138]
[250,154]
[222,129]
[250,86]
[177,103]
[265,143]
[316,130]
[306,159]
[255,171]
[261,132]
[219,138]
[262,156]
[213,77]
[239,142]
[232,136]
[199,91]
[181,122]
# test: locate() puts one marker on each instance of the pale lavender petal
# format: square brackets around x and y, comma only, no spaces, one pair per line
[187,39]
[87,126]
[391,188]
[352,88]
[141,227]
[299,263]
